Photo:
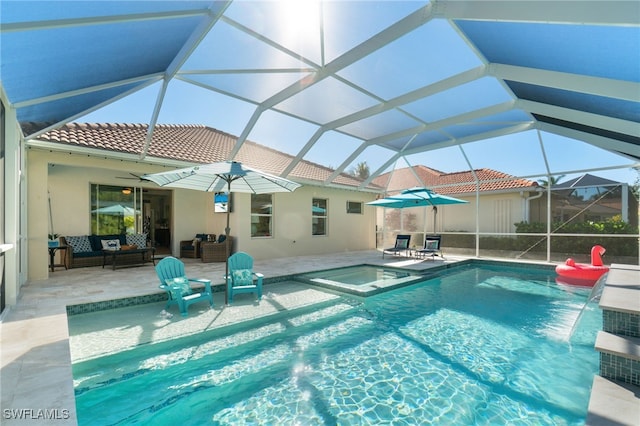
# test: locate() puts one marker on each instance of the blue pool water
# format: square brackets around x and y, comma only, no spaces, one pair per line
[361,280]
[475,346]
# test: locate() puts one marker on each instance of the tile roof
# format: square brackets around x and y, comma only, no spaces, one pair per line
[463,182]
[189,143]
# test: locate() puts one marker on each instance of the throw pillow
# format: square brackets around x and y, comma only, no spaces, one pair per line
[79,244]
[139,240]
[242,277]
[110,244]
[178,287]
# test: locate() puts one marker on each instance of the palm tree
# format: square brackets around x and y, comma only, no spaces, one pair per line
[553,180]
[361,170]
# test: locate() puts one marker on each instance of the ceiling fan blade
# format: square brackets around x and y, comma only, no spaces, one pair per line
[135,177]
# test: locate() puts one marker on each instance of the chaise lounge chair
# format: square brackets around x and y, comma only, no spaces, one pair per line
[178,287]
[431,247]
[241,278]
[402,245]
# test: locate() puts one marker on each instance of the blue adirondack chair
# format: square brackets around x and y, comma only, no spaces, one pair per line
[241,278]
[179,288]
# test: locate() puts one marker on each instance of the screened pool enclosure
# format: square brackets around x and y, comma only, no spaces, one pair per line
[542,91]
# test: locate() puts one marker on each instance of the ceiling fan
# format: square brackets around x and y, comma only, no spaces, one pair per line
[135,176]
[128,190]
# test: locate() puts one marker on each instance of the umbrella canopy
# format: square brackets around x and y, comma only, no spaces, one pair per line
[117,209]
[417,197]
[229,176]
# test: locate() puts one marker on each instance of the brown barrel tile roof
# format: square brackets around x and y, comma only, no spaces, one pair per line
[464,182]
[189,143]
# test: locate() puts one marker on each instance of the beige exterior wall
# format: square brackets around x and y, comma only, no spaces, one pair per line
[14,241]
[498,214]
[66,178]
[292,224]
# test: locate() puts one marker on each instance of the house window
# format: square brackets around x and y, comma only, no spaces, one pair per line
[261,215]
[319,216]
[114,210]
[354,207]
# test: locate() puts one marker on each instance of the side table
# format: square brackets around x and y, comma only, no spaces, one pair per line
[63,257]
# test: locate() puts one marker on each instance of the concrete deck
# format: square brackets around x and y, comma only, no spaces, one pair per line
[36,352]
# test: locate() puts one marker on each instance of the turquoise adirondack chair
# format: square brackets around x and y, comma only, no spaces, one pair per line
[178,287]
[241,278]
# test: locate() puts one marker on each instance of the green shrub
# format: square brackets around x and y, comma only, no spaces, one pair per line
[569,245]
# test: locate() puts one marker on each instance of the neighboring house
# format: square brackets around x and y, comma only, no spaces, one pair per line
[592,198]
[504,199]
[74,166]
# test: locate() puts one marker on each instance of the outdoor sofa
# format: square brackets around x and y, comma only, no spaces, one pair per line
[87,250]
[215,251]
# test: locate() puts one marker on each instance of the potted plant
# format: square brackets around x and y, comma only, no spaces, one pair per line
[53,240]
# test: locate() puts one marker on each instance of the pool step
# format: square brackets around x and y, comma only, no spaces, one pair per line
[613,403]
[616,345]
[221,344]
[615,394]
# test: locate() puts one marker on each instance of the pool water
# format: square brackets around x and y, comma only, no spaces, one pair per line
[361,280]
[475,346]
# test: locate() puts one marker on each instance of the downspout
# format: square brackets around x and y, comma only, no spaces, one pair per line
[527,203]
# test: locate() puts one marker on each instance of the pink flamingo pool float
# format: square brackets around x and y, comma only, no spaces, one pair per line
[583,273]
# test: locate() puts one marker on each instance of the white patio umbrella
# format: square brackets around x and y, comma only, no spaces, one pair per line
[231,176]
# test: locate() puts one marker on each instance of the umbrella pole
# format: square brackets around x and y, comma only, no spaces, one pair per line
[435,216]
[226,247]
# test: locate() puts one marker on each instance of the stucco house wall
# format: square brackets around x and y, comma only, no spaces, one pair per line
[65,178]
[498,214]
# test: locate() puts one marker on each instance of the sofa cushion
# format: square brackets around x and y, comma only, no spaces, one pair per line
[79,244]
[139,240]
[87,254]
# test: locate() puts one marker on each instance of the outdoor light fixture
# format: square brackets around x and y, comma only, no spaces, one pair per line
[126,191]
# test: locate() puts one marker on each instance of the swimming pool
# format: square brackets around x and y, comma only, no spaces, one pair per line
[476,345]
[362,280]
